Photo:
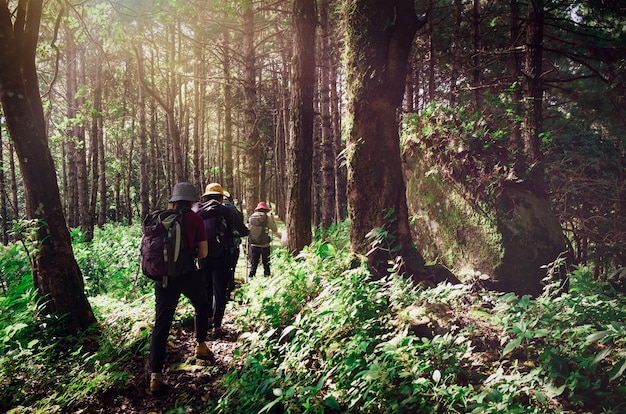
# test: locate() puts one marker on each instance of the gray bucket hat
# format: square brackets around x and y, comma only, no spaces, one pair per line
[184,192]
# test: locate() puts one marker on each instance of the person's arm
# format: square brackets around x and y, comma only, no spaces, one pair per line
[203,249]
[238,224]
[271,224]
[202,245]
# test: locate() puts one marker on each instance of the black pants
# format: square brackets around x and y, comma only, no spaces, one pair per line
[216,270]
[256,254]
[233,259]
[192,286]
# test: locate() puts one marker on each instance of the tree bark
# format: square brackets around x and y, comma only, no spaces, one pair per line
[533,124]
[96,137]
[229,166]
[300,154]
[3,196]
[56,273]
[85,220]
[379,40]
[252,147]
[328,153]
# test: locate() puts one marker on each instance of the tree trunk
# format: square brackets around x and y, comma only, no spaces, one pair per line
[301,149]
[534,89]
[96,136]
[56,273]
[379,40]
[3,196]
[476,60]
[144,186]
[328,153]
[516,76]
[456,51]
[85,220]
[252,157]
[228,116]
[70,144]
[341,202]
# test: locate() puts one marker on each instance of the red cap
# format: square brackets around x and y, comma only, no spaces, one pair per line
[262,207]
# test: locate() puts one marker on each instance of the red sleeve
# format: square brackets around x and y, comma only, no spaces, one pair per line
[194,228]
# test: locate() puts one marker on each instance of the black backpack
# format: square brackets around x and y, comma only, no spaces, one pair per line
[216,227]
[164,252]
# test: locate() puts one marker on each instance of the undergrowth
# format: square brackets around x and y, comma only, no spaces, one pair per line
[320,337]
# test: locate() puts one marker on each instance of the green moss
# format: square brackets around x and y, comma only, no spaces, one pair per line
[449,229]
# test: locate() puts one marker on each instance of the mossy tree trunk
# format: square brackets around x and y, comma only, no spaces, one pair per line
[56,273]
[379,39]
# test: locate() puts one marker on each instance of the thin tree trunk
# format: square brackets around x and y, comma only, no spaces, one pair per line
[252,158]
[3,196]
[102,180]
[96,135]
[517,84]
[341,200]
[328,153]
[144,178]
[534,87]
[476,59]
[456,50]
[15,204]
[85,220]
[228,115]
[70,144]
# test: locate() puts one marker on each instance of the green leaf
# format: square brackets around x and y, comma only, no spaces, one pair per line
[553,391]
[618,370]
[512,345]
[332,403]
[602,354]
[598,336]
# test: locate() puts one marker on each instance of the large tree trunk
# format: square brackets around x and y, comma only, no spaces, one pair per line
[379,39]
[56,273]
[300,154]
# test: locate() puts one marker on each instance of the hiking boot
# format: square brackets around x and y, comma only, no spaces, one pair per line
[156,383]
[203,352]
[218,333]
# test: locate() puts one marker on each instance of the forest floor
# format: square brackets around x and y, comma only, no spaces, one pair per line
[189,382]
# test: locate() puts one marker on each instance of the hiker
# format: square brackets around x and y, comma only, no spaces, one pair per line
[191,285]
[220,223]
[259,238]
[234,247]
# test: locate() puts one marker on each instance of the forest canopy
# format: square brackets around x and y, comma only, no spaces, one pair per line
[139,95]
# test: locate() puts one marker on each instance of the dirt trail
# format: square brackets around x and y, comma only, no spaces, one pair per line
[190,382]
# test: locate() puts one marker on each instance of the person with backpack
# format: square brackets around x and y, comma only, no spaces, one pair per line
[168,288]
[259,238]
[234,247]
[220,223]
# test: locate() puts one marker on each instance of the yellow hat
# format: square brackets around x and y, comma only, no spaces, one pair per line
[213,188]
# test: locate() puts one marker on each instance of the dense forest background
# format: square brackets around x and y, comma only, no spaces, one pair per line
[472,141]
[138,95]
